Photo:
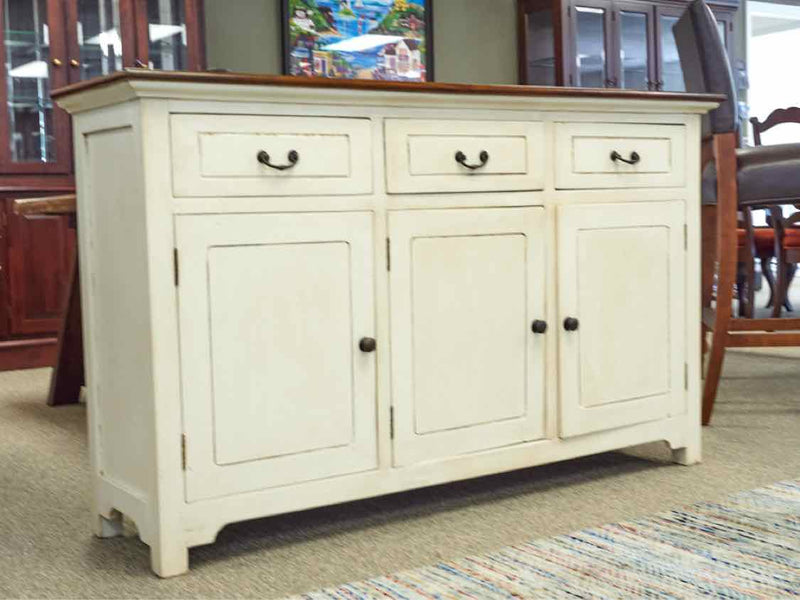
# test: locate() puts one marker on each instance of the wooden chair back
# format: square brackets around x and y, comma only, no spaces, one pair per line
[776,117]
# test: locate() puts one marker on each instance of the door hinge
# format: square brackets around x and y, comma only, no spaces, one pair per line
[183,451]
[686,376]
[388,254]
[391,422]
[175,265]
[685,236]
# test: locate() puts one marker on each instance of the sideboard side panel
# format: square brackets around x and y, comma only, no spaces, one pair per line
[117,332]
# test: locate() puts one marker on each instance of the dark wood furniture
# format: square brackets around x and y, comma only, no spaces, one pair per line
[776,117]
[734,178]
[68,375]
[754,243]
[607,43]
[48,44]
[787,253]
[787,245]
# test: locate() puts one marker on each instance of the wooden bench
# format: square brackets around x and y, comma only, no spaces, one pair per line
[68,375]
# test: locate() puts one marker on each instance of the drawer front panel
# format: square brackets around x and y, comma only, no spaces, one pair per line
[218,155]
[585,155]
[422,156]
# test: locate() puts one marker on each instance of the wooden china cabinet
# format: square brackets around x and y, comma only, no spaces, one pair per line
[48,44]
[608,43]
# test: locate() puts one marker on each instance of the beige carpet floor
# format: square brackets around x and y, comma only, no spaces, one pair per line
[46,549]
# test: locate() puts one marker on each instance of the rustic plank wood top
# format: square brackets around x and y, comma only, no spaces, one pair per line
[356,84]
[50,205]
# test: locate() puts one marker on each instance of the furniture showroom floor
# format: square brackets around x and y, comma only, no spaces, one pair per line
[46,547]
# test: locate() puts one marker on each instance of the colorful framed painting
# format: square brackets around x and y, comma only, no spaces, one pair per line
[388,40]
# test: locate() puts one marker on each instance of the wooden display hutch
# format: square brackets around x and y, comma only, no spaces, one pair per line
[608,43]
[48,44]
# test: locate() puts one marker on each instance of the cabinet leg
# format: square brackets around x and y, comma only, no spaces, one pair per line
[686,456]
[108,527]
[169,560]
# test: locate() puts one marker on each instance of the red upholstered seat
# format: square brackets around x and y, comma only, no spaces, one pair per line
[765,238]
[792,238]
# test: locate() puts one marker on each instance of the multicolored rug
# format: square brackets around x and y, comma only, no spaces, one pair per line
[746,547]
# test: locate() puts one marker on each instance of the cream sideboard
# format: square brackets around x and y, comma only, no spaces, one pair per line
[299,293]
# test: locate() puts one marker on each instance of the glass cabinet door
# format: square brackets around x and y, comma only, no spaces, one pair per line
[671,74]
[98,36]
[540,48]
[33,63]
[592,46]
[168,35]
[725,19]
[635,54]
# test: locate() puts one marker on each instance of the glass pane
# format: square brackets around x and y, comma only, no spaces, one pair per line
[98,37]
[671,72]
[591,58]
[633,52]
[30,110]
[167,29]
[541,48]
[721,29]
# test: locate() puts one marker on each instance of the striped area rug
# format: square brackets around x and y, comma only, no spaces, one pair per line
[746,547]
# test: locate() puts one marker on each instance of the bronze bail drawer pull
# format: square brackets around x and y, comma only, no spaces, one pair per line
[635,158]
[293,157]
[461,159]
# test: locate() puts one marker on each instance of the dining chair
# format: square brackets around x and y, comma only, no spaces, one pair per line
[733,179]
[753,243]
[786,229]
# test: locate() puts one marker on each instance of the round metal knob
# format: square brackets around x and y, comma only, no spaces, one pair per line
[367,345]
[57,62]
[75,62]
[571,324]
[539,326]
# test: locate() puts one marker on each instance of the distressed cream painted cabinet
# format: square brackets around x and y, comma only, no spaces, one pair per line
[299,294]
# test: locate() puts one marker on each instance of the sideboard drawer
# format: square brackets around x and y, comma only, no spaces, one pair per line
[251,155]
[463,156]
[619,155]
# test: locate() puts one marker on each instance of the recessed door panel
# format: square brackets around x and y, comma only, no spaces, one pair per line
[275,388]
[621,270]
[282,356]
[467,371]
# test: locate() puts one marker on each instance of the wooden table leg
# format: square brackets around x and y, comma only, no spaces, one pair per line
[68,375]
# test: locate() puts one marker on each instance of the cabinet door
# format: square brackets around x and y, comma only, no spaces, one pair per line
[34,131]
[40,251]
[621,270]
[592,44]
[635,51]
[670,73]
[725,21]
[272,308]
[539,30]
[169,34]
[100,37]
[467,370]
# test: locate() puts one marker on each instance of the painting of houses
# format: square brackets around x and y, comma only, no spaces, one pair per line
[358,39]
